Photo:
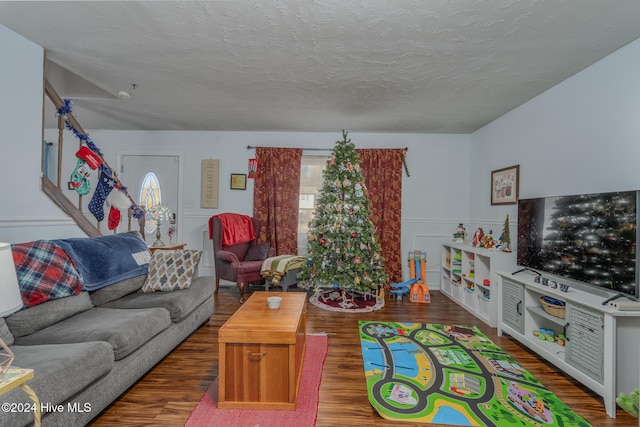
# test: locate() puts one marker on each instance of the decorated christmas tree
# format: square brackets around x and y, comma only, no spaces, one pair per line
[506,236]
[343,253]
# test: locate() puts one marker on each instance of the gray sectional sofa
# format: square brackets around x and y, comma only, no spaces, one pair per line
[89,348]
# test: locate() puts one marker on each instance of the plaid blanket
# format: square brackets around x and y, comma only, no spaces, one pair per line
[44,272]
[276,267]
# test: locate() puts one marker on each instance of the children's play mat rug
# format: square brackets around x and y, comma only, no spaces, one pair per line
[452,374]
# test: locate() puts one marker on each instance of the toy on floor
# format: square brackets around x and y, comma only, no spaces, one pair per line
[630,402]
[545,334]
[416,286]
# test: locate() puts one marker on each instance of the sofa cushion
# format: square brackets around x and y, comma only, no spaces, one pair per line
[180,303]
[41,316]
[62,370]
[125,330]
[5,333]
[171,270]
[45,272]
[117,290]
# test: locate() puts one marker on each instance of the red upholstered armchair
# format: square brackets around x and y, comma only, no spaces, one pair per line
[237,262]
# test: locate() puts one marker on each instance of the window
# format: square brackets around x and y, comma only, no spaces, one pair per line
[150,195]
[311,180]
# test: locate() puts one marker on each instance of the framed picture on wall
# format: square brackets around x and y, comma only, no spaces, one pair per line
[238,181]
[504,185]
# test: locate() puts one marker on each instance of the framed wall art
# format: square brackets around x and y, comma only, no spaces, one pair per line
[209,183]
[504,185]
[238,181]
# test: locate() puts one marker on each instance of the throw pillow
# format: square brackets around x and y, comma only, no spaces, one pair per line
[171,270]
[258,252]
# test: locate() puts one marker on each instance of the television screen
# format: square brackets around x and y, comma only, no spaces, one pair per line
[590,238]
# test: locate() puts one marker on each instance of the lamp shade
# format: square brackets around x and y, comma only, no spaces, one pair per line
[10,299]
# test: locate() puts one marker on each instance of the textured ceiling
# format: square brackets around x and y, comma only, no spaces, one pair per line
[446,66]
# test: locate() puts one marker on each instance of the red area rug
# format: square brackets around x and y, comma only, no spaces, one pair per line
[208,414]
[346,302]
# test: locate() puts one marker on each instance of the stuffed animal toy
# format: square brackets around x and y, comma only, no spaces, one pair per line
[630,402]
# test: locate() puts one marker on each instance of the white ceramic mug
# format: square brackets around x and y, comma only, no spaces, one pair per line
[274,302]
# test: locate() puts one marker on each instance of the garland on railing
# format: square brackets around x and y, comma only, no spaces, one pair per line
[106,172]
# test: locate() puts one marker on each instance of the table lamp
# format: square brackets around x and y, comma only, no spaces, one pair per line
[10,300]
[157,213]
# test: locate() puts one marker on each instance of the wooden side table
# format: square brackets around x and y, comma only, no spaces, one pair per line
[176,247]
[16,377]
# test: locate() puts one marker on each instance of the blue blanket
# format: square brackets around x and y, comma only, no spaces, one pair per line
[103,261]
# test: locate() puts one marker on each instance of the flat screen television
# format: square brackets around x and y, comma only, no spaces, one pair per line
[588,238]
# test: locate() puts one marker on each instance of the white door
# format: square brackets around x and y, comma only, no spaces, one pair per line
[166,167]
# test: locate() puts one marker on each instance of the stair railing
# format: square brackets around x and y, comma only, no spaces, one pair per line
[66,120]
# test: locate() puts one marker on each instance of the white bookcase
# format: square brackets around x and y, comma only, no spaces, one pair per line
[469,277]
[601,346]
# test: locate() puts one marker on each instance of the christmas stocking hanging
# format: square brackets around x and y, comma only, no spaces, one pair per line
[92,159]
[79,179]
[118,200]
[114,218]
[103,188]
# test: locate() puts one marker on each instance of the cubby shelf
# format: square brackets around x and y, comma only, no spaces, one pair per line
[464,271]
[601,343]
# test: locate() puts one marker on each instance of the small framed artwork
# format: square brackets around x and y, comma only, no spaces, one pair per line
[238,181]
[504,185]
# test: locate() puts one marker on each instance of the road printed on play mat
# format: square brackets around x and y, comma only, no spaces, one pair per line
[452,374]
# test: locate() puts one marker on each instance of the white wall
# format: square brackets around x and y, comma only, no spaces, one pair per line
[432,206]
[25,212]
[581,136]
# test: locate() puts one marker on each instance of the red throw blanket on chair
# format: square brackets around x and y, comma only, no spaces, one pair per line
[236,228]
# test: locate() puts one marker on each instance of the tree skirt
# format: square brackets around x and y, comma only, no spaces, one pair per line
[347,302]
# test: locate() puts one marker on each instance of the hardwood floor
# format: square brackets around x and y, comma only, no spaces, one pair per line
[168,393]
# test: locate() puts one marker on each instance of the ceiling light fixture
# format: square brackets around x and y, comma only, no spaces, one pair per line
[123,94]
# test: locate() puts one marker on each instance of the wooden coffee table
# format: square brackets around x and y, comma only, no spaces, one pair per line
[261,353]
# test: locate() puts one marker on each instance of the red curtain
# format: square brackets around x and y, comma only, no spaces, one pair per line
[275,197]
[382,171]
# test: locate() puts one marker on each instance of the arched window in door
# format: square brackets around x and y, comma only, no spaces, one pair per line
[150,196]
